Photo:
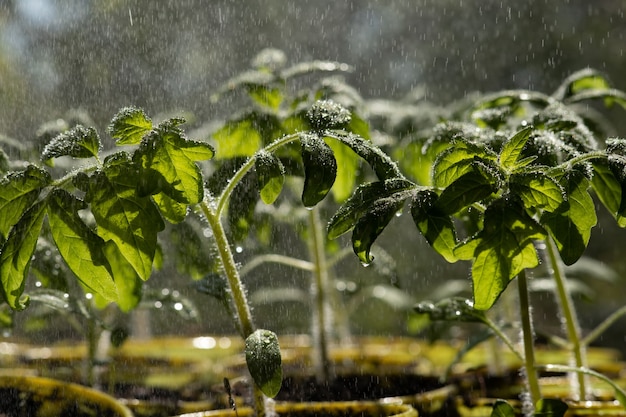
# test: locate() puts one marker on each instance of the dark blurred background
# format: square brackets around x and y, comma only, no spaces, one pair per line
[171,56]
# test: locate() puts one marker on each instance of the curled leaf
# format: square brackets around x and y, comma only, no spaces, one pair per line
[264,361]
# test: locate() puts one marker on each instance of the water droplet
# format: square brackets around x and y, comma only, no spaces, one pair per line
[309,207]
[366,264]
[207,232]
[238,249]
[398,213]
[158,304]
[178,306]
[89,296]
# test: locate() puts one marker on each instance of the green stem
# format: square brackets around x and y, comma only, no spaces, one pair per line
[237,291]
[565,166]
[92,346]
[500,334]
[570,319]
[601,328]
[238,294]
[277,259]
[243,170]
[320,292]
[527,333]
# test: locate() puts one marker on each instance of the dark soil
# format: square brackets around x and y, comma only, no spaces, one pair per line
[15,402]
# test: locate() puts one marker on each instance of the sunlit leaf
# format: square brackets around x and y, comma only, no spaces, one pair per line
[270,176]
[550,407]
[500,251]
[609,190]
[347,171]
[267,96]
[78,142]
[469,188]
[371,225]
[512,149]
[359,127]
[131,221]
[264,361]
[237,138]
[171,210]
[170,154]
[537,190]
[453,163]
[363,197]
[129,284]
[320,169]
[129,126]
[79,246]
[16,255]
[434,224]
[18,190]
[570,227]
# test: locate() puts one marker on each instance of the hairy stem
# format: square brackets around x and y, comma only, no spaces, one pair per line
[238,294]
[320,292]
[570,319]
[528,338]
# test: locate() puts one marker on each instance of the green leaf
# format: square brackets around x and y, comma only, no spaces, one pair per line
[359,127]
[129,284]
[500,251]
[502,408]
[537,190]
[189,251]
[173,211]
[59,301]
[451,309]
[270,174]
[586,79]
[469,188]
[570,226]
[173,157]
[79,142]
[435,225]
[320,169]
[512,149]
[363,197]
[371,225]
[270,97]
[264,361]
[129,126]
[241,206]
[17,253]
[237,138]
[79,246]
[347,168]
[608,189]
[454,162]
[129,220]
[384,167]
[327,114]
[18,190]
[550,407]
